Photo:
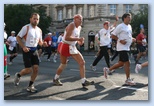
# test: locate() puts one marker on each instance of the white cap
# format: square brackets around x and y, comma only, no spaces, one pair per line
[13,32]
[49,33]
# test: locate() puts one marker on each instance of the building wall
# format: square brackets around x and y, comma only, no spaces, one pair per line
[91,24]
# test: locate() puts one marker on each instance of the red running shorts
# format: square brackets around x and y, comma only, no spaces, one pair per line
[63,49]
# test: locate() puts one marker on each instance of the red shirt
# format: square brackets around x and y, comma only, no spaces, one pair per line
[140,37]
[48,40]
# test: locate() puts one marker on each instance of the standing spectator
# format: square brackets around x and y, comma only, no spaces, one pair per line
[6,75]
[103,39]
[32,36]
[68,48]
[91,46]
[12,46]
[141,49]
[123,35]
[48,39]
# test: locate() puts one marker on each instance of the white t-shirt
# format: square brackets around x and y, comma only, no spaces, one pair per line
[123,32]
[33,37]
[12,40]
[104,36]
[59,39]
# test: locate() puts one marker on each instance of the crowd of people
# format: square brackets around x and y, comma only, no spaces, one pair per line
[115,40]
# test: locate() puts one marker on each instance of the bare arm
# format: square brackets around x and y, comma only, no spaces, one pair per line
[115,22]
[114,37]
[97,40]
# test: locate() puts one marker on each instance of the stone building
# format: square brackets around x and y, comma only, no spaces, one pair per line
[93,17]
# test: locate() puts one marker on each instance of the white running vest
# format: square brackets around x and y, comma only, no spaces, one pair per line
[75,33]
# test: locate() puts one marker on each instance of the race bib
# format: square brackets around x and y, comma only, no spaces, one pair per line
[11,48]
[73,49]
[49,42]
[31,41]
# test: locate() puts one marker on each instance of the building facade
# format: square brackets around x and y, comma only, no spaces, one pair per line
[93,17]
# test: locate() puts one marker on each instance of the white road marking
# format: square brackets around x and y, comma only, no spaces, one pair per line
[132,88]
[88,71]
[55,98]
[114,84]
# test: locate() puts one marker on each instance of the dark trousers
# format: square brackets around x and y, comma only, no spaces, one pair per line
[103,52]
[115,55]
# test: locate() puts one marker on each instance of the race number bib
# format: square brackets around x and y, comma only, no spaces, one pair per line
[31,41]
[49,42]
[11,48]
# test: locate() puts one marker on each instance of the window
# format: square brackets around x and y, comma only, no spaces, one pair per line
[112,9]
[79,10]
[142,6]
[69,13]
[128,8]
[60,15]
[91,11]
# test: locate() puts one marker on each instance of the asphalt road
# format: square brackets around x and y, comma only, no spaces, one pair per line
[112,88]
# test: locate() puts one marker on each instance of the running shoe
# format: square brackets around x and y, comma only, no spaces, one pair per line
[93,67]
[10,63]
[106,70]
[87,83]
[6,76]
[130,82]
[57,82]
[31,89]
[16,79]
[138,67]
[48,59]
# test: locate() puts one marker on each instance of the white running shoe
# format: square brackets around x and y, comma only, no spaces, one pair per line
[31,89]
[10,63]
[54,60]
[130,82]
[106,70]
[16,80]
[48,59]
[138,67]
[93,67]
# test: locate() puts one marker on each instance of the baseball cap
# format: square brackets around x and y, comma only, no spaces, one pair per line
[106,22]
[49,33]
[13,32]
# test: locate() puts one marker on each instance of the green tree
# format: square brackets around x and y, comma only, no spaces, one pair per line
[140,18]
[16,16]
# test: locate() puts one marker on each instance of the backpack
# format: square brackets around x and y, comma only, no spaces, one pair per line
[25,36]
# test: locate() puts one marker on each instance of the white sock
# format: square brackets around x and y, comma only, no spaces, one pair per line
[56,76]
[83,80]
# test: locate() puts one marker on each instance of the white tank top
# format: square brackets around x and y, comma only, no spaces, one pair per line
[75,33]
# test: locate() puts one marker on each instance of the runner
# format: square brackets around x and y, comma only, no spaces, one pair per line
[68,48]
[32,36]
[123,35]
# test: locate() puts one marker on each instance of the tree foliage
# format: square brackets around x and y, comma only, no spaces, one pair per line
[140,18]
[16,16]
